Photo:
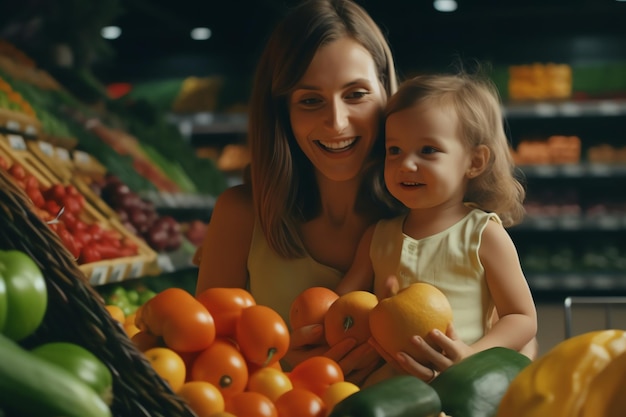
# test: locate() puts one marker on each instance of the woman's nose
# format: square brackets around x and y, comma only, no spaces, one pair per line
[337,116]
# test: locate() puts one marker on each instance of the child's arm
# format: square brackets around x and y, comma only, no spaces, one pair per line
[360,276]
[517,324]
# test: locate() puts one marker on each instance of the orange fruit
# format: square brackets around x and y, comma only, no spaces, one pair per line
[337,392]
[202,397]
[251,404]
[270,382]
[144,340]
[168,365]
[116,312]
[415,310]
[225,305]
[348,316]
[223,365]
[310,306]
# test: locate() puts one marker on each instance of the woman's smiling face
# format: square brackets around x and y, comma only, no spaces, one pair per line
[335,109]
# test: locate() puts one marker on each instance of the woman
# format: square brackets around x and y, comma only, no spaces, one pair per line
[315,181]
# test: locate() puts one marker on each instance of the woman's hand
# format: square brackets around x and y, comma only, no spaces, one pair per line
[356,361]
[305,342]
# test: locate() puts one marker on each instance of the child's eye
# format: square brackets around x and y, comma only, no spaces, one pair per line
[429,150]
[393,150]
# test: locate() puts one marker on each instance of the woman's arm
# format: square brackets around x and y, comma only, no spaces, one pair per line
[225,248]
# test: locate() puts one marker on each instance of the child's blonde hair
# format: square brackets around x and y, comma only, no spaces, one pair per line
[476,101]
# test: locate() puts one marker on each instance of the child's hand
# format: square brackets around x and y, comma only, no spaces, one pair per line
[454,349]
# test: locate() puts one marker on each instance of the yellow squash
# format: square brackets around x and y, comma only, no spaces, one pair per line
[558,383]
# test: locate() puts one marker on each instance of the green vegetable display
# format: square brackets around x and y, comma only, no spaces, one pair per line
[399,396]
[81,363]
[23,295]
[32,386]
[475,386]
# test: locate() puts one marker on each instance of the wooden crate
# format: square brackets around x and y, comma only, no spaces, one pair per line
[16,122]
[101,272]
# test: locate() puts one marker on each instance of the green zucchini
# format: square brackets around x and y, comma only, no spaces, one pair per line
[475,386]
[398,396]
[31,386]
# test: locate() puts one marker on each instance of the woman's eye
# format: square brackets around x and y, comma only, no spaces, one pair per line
[311,101]
[357,94]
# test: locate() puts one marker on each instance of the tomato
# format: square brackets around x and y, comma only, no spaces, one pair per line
[182,321]
[81,363]
[300,402]
[144,340]
[225,305]
[348,317]
[251,404]
[262,335]
[270,382]
[310,306]
[337,392]
[203,398]
[168,365]
[316,374]
[23,295]
[222,365]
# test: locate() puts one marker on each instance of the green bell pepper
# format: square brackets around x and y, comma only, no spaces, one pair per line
[23,295]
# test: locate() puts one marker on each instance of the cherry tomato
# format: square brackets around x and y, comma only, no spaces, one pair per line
[262,335]
[300,402]
[222,365]
[203,398]
[225,305]
[175,314]
[269,381]
[316,374]
[251,404]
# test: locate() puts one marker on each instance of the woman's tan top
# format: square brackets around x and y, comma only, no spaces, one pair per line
[275,281]
[448,260]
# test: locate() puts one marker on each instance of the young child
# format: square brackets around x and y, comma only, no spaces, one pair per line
[448,161]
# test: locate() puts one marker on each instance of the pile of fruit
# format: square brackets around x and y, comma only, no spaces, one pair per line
[62,207]
[161,233]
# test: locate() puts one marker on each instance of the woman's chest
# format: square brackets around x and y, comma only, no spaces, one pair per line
[333,245]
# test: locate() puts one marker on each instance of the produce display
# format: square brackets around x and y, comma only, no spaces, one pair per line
[50,379]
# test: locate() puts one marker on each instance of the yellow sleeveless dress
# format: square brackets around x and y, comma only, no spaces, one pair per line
[275,281]
[448,260]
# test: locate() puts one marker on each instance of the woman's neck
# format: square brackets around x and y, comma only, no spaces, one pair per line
[337,199]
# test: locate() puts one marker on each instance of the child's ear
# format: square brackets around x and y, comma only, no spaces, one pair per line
[480,158]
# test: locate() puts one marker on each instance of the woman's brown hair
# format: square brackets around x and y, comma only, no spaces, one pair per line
[284,188]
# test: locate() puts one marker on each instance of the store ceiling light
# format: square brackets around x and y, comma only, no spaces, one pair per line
[445,5]
[200,34]
[111,32]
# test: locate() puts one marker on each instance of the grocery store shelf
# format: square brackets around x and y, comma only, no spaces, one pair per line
[583,170]
[605,222]
[209,123]
[576,282]
[165,200]
[177,260]
[548,109]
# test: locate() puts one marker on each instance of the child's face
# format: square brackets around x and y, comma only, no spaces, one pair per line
[426,161]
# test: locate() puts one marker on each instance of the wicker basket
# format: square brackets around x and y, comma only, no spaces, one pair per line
[76,313]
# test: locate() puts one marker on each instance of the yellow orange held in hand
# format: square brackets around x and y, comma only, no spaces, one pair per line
[415,310]
[348,316]
[310,306]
